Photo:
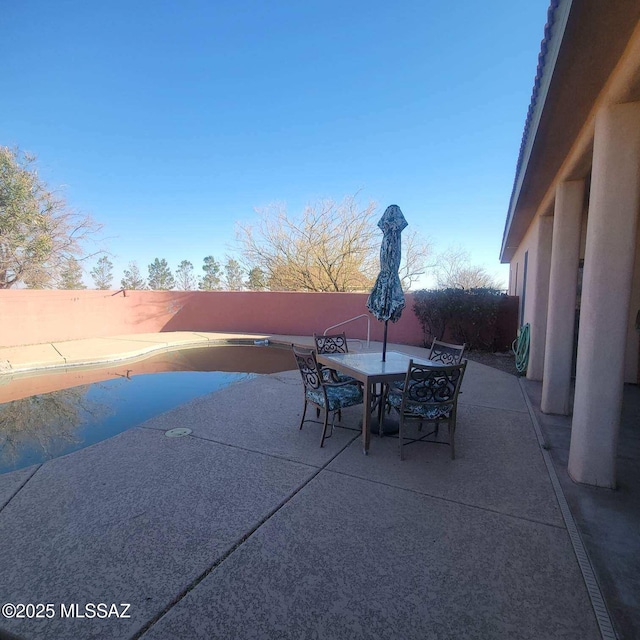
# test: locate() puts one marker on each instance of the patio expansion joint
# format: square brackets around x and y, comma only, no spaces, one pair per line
[239,543]
[58,352]
[20,488]
[588,574]
[450,501]
[269,455]
[490,406]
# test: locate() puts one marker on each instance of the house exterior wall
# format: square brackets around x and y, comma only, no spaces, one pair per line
[534,252]
[517,269]
[632,352]
[526,252]
[563,287]
[586,127]
[531,246]
[610,254]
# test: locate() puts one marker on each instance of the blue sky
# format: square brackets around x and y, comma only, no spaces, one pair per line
[167,121]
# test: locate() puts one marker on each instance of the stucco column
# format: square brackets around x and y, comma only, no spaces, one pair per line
[604,313]
[563,282]
[539,297]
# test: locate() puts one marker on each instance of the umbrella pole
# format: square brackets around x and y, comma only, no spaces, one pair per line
[384,342]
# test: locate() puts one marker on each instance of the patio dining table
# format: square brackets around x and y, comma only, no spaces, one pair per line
[369,369]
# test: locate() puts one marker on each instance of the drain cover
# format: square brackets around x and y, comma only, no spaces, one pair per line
[177,433]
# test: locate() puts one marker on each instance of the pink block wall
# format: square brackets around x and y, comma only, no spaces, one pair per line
[31,317]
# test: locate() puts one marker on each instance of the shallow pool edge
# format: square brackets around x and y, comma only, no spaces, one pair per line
[91,353]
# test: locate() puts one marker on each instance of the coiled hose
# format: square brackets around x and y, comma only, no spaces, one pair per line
[520,348]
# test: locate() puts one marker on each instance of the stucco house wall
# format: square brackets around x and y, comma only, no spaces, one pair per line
[533,294]
[632,353]
[578,177]
[529,271]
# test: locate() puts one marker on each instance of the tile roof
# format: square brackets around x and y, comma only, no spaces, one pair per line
[528,126]
[536,83]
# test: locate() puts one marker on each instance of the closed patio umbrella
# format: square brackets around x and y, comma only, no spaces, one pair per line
[386,300]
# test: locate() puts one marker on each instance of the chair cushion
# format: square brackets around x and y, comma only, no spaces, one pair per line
[338,397]
[419,409]
[337,376]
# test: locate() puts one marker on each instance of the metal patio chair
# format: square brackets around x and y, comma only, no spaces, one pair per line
[333,343]
[429,394]
[442,353]
[325,395]
[445,353]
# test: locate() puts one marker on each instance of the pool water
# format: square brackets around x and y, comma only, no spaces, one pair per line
[82,407]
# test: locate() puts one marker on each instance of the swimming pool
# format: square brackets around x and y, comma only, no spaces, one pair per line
[47,416]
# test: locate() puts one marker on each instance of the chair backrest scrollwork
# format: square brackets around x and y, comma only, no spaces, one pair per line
[445,353]
[433,385]
[335,343]
[309,368]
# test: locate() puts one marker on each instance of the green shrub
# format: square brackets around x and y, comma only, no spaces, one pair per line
[459,315]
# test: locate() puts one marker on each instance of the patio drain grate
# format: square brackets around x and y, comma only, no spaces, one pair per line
[593,588]
[177,433]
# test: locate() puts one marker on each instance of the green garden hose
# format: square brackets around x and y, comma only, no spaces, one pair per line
[520,348]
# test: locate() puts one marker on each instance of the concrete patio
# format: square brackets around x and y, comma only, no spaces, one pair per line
[247,529]
[608,520]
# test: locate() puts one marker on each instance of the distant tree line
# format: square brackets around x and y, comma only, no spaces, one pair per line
[452,270]
[329,246]
[216,276]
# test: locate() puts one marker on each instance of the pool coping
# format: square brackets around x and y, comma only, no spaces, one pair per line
[90,352]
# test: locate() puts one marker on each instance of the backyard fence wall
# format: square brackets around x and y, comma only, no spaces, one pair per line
[34,316]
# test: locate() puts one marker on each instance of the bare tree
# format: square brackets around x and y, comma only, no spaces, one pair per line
[39,232]
[330,247]
[417,258]
[185,280]
[454,271]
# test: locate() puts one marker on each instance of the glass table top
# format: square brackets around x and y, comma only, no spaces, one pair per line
[371,363]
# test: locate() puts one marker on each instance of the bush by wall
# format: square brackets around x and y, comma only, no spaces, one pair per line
[462,315]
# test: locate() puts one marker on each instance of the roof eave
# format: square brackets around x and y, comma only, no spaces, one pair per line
[557,18]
